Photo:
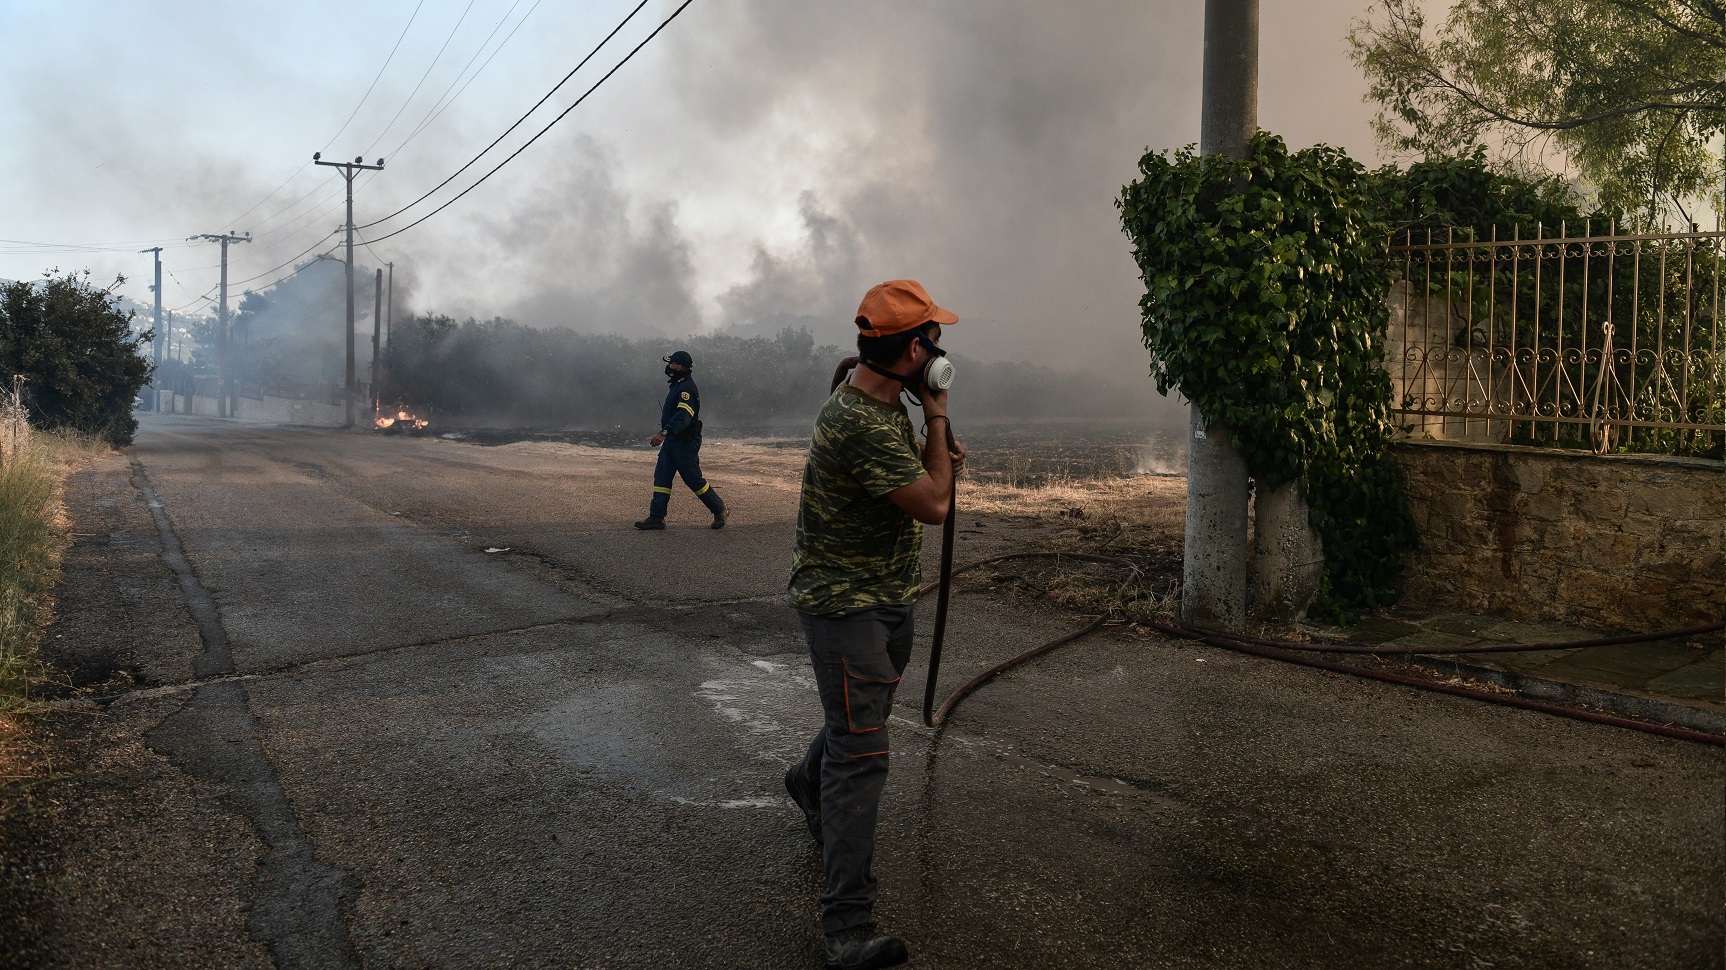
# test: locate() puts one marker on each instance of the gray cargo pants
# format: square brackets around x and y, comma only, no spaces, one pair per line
[859,656]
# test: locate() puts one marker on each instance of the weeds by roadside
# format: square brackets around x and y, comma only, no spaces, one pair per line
[1138,519]
[32,536]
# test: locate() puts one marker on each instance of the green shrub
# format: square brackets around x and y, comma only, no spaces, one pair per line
[82,364]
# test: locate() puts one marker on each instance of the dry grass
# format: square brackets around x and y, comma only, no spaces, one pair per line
[33,534]
[1136,519]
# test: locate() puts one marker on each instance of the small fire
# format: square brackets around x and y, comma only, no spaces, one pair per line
[402,420]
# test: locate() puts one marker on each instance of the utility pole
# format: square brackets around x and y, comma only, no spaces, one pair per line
[377,331]
[223,392]
[349,170]
[1214,566]
[390,304]
[156,344]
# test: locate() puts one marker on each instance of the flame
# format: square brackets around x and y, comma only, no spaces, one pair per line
[403,419]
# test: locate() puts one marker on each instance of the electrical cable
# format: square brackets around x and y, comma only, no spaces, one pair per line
[332,138]
[206,298]
[438,105]
[380,75]
[409,100]
[542,131]
[236,220]
[523,118]
[495,51]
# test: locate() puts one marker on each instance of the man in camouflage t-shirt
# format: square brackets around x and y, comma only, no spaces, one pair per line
[867,486]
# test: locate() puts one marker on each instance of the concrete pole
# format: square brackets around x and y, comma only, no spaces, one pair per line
[1288,555]
[1214,568]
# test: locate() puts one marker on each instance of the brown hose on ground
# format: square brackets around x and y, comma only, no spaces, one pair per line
[1276,650]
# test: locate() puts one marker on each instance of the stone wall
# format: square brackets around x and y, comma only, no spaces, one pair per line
[1619,542]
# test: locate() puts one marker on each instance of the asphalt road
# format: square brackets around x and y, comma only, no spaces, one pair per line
[360,736]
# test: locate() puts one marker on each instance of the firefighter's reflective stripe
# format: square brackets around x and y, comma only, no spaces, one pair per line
[702,490]
[682,409]
[666,490]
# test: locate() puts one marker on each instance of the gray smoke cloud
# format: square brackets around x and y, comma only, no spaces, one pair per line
[758,166]
[597,262]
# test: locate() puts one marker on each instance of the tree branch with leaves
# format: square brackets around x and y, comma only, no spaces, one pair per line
[1632,93]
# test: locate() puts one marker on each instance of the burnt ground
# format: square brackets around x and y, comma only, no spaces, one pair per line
[408,701]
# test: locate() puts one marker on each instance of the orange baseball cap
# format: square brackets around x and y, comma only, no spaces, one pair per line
[897,306]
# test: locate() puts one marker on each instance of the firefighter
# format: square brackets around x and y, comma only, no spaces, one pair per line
[679,442]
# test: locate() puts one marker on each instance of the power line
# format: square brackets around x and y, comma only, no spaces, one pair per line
[288,263]
[207,298]
[338,134]
[542,131]
[324,202]
[375,80]
[25,247]
[422,81]
[440,104]
[529,114]
[272,195]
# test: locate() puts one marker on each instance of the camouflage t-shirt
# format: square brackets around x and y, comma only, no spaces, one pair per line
[854,546]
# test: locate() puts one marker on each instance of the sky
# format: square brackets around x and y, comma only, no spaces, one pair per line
[758,163]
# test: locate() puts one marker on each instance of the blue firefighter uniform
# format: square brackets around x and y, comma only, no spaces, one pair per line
[680,453]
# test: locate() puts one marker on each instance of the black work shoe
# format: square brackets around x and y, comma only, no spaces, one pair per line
[719,516]
[809,801]
[864,949]
[651,522]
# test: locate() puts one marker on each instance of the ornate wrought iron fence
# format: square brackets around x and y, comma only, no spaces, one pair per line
[1606,341]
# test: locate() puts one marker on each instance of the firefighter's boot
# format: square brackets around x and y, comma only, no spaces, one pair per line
[716,505]
[651,522]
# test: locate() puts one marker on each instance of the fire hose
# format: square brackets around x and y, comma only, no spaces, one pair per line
[1284,650]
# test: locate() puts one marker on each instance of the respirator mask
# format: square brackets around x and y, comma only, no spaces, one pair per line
[673,374]
[937,374]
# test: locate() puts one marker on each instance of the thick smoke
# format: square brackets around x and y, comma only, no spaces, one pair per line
[591,260]
[758,166]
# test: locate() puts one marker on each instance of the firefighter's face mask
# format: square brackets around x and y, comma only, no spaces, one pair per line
[675,372]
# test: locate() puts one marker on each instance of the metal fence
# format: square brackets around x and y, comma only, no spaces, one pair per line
[1605,341]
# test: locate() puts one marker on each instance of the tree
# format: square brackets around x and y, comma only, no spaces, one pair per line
[82,364]
[1632,92]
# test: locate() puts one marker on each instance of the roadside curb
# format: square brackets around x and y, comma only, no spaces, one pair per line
[1660,710]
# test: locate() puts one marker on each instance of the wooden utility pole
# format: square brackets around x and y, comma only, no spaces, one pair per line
[377,334]
[156,344]
[390,304]
[224,393]
[349,170]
